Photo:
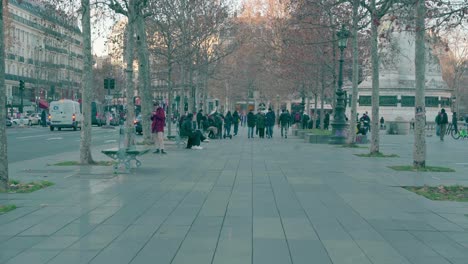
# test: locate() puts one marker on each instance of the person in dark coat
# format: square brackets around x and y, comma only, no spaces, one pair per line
[270,122]
[43,118]
[218,118]
[235,122]
[194,136]
[157,129]
[200,119]
[326,121]
[227,124]
[261,124]
[284,121]
[305,120]
[251,120]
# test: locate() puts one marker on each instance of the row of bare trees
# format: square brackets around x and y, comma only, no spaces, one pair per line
[312,25]
[178,33]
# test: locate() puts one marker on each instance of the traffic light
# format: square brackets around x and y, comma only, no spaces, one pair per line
[21,85]
[109,83]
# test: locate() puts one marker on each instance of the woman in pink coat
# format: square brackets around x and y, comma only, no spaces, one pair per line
[157,129]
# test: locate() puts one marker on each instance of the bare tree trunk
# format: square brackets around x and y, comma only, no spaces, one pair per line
[3,110]
[354,94]
[144,77]
[170,96]
[129,58]
[419,148]
[87,84]
[374,148]
[315,111]
[322,97]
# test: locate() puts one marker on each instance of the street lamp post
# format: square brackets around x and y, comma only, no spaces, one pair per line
[339,124]
[277,105]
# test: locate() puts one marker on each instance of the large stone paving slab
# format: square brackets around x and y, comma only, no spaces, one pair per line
[243,201]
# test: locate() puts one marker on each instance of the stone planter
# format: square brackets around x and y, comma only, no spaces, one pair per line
[294,131]
[316,139]
[301,133]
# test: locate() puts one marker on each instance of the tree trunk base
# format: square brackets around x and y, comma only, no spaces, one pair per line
[419,164]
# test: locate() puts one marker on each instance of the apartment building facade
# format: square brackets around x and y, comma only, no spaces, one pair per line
[44,53]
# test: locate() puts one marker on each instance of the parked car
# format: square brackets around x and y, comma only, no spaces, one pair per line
[138,126]
[34,119]
[8,122]
[24,120]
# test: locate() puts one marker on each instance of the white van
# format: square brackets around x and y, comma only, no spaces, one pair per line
[65,114]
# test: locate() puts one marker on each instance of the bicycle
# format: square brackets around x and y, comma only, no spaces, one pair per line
[460,133]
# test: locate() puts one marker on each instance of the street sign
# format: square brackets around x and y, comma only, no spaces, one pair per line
[109,97]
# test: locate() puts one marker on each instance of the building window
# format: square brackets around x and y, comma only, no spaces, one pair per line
[407,101]
[388,101]
[445,102]
[432,101]
[365,100]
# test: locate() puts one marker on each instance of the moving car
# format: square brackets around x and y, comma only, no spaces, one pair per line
[65,114]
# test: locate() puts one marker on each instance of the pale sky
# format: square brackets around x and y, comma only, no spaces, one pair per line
[99,40]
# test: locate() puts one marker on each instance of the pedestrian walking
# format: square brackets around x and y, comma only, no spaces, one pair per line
[200,119]
[305,120]
[235,122]
[270,122]
[261,124]
[443,123]
[43,118]
[382,123]
[251,120]
[326,121]
[157,129]
[227,124]
[284,121]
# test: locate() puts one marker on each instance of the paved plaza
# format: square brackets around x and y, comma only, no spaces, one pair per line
[241,201]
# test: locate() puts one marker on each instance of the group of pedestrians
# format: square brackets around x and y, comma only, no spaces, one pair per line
[262,122]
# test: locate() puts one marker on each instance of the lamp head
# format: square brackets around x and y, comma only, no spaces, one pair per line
[342,35]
